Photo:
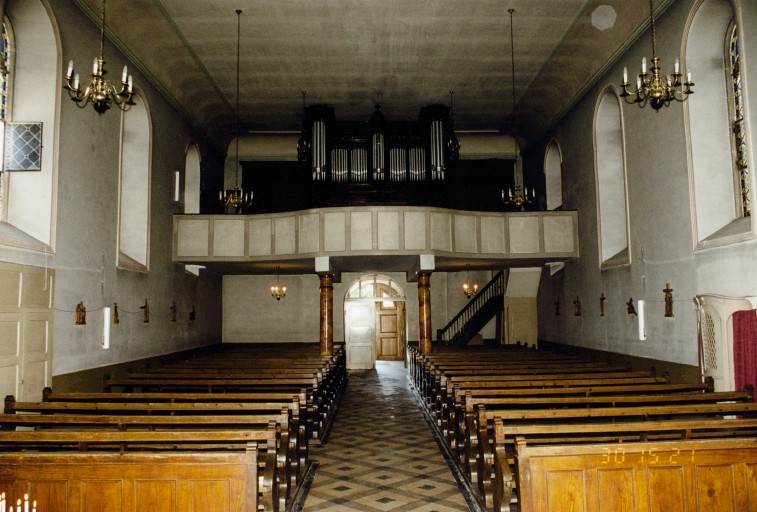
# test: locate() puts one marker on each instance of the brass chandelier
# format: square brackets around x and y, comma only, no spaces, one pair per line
[96,89]
[468,289]
[651,87]
[519,196]
[236,198]
[278,292]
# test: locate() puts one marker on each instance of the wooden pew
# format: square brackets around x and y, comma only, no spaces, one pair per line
[477,446]
[293,440]
[63,473]
[704,474]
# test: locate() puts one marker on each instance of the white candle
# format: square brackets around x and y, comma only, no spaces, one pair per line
[677,65]
[130,84]
[94,66]
[688,75]
[76,82]
[643,65]
[638,82]
[509,193]
[124,75]
[26,503]
[68,75]
[625,75]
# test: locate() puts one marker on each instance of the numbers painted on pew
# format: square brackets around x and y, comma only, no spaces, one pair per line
[616,456]
[651,456]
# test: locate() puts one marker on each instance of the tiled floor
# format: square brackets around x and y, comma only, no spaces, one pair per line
[381,454]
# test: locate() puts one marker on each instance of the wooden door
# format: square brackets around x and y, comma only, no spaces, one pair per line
[390,340]
[359,329]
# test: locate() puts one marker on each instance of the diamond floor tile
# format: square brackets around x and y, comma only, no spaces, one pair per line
[381,455]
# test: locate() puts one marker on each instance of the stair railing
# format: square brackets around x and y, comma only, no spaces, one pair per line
[494,288]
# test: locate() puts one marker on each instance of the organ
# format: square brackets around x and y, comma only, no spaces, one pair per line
[377,151]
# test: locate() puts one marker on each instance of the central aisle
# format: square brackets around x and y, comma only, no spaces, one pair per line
[381,454]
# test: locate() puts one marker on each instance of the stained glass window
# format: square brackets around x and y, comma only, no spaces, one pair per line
[5,55]
[738,128]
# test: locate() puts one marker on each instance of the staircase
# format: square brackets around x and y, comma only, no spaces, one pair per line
[475,315]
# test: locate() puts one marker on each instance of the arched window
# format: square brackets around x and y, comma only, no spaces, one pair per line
[553,176]
[375,286]
[719,178]
[192,180]
[736,116]
[612,206]
[134,204]
[30,89]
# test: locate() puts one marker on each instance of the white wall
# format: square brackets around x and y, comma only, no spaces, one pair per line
[85,251]
[661,244]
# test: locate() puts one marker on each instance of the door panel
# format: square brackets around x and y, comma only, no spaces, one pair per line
[359,333]
[390,339]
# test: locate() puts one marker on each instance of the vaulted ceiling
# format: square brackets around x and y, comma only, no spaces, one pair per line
[341,52]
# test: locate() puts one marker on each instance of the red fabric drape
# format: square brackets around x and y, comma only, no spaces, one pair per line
[745,348]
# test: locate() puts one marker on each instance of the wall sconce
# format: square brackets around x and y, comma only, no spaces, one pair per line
[602,300]
[115,313]
[172,311]
[278,292]
[630,307]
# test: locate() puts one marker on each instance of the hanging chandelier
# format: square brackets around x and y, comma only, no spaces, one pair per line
[468,289]
[278,292]
[96,89]
[651,87]
[519,196]
[236,198]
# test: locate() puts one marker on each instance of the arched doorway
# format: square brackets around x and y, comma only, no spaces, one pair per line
[374,321]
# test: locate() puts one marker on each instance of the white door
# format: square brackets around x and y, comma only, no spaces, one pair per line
[359,334]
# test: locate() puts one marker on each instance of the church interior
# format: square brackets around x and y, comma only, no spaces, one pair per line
[271,241]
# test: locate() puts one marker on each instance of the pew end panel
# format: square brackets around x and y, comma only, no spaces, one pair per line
[708,474]
[132,482]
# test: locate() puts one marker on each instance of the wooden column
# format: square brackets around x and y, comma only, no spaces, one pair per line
[424,311]
[327,314]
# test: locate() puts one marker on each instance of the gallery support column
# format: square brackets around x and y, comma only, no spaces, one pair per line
[424,311]
[327,314]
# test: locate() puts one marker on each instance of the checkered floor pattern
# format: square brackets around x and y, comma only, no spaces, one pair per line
[381,454]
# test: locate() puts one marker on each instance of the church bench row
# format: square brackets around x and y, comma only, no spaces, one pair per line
[165,471]
[88,426]
[472,437]
[287,413]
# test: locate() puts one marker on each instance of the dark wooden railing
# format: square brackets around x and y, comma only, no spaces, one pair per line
[471,319]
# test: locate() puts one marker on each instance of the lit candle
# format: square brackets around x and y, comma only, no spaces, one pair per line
[26,503]
[625,75]
[643,65]
[130,84]
[124,75]
[34,506]
[677,65]
[220,195]
[68,75]
[688,75]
